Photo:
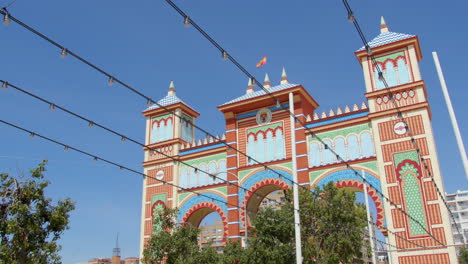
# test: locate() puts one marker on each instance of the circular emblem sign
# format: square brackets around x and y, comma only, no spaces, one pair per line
[263,116]
[400,128]
[160,175]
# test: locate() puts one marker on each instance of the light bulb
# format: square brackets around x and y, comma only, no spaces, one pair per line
[95,159]
[6,19]
[278,104]
[52,107]
[65,148]
[110,81]
[121,168]
[32,135]
[91,124]
[369,50]
[4,85]
[186,21]
[225,55]
[64,53]
[123,139]
[351,17]
[381,78]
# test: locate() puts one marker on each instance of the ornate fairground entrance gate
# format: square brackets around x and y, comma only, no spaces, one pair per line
[370,137]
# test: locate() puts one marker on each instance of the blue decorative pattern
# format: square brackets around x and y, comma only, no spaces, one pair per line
[261,92]
[385,38]
[349,175]
[200,199]
[190,151]
[337,119]
[261,175]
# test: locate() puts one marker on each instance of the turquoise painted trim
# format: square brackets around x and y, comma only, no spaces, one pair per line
[338,119]
[190,151]
[253,113]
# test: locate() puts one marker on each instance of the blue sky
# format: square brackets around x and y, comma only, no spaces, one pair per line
[145,44]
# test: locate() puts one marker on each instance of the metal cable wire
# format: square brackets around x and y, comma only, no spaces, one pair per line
[200,30]
[124,138]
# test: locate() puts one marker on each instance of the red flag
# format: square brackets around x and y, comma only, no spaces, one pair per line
[263,61]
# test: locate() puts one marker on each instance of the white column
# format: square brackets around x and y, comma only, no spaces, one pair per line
[297,220]
[369,225]
[453,119]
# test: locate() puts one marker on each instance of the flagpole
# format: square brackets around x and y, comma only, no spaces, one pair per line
[453,119]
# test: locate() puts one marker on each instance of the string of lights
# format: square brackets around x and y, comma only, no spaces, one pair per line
[188,21]
[225,55]
[113,79]
[352,18]
[124,138]
[96,158]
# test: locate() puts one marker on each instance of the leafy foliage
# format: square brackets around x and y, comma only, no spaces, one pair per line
[463,258]
[30,224]
[332,228]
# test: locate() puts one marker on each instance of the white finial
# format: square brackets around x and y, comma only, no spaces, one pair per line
[250,88]
[355,107]
[339,111]
[383,25]
[332,113]
[308,118]
[284,77]
[266,82]
[171,89]
[346,109]
[316,116]
[324,115]
[363,105]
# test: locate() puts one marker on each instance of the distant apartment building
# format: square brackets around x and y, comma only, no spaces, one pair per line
[458,204]
[114,260]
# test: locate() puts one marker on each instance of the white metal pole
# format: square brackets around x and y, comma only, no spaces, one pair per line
[453,119]
[246,224]
[369,225]
[297,220]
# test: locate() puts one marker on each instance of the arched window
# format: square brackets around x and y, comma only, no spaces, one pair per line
[169,129]
[367,145]
[202,176]
[184,178]
[192,178]
[260,147]
[314,154]
[270,154]
[391,74]
[403,73]
[251,146]
[154,132]
[328,156]
[340,147]
[222,169]
[213,170]
[162,130]
[279,145]
[378,84]
[353,147]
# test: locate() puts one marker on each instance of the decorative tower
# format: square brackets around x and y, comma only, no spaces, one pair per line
[116,252]
[168,128]
[409,168]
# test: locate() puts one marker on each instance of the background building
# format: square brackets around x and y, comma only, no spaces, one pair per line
[458,204]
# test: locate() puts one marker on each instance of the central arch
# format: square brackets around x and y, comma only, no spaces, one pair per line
[259,184]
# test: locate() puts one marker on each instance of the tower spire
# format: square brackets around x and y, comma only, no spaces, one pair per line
[284,77]
[250,88]
[383,25]
[116,251]
[266,82]
[171,89]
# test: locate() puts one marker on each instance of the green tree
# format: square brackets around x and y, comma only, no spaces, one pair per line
[463,258]
[30,224]
[332,228]
[173,243]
